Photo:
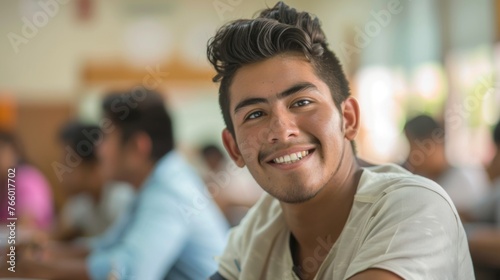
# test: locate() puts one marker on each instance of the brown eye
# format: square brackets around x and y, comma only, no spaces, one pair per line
[254,115]
[301,103]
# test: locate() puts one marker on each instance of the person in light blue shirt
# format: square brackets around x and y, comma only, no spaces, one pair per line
[159,236]
[172,230]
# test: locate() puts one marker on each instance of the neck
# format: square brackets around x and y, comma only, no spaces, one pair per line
[140,174]
[322,218]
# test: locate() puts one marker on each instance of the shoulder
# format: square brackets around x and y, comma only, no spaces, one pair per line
[264,217]
[263,221]
[173,176]
[251,241]
[397,183]
[395,196]
[410,227]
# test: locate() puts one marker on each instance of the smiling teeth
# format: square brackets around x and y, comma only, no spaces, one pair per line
[291,158]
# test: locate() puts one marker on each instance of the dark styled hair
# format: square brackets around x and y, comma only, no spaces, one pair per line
[496,133]
[276,30]
[73,135]
[141,110]
[422,127]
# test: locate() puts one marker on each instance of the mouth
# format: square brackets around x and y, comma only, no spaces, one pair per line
[292,157]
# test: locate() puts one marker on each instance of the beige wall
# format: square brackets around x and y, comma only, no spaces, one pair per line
[47,68]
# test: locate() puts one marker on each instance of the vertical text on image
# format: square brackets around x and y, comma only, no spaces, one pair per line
[11,219]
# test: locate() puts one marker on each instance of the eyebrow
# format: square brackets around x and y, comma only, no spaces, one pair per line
[290,91]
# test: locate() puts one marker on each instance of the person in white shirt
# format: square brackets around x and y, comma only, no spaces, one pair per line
[291,120]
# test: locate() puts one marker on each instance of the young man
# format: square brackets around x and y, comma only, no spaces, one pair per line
[290,119]
[172,230]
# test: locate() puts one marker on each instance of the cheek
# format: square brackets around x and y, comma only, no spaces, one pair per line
[327,125]
[254,142]
[246,150]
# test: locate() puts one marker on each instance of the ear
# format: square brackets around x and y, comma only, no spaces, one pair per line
[142,145]
[232,148]
[350,114]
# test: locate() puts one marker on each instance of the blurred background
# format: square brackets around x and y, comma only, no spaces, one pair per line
[59,57]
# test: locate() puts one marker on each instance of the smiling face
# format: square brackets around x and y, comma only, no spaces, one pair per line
[288,130]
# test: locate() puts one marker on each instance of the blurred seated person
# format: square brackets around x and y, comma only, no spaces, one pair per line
[493,168]
[172,229]
[483,227]
[233,189]
[91,203]
[488,209]
[465,185]
[33,194]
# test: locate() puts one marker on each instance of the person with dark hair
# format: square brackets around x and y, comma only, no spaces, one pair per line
[466,185]
[33,201]
[291,120]
[172,230]
[92,204]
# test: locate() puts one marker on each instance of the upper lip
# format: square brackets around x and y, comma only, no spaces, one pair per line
[288,151]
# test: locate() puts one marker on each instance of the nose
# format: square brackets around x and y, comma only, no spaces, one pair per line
[283,127]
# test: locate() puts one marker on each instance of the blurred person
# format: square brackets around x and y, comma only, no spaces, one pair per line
[487,210]
[92,204]
[234,190]
[291,120]
[483,227]
[466,185]
[33,194]
[172,230]
[493,168]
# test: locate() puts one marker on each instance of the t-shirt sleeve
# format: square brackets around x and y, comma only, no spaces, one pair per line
[415,233]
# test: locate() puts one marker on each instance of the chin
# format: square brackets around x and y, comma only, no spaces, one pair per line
[295,196]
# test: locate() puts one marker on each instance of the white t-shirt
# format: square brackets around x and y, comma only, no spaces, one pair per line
[398,222]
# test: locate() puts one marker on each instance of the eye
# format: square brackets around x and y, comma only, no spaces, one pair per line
[254,115]
[300,103]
